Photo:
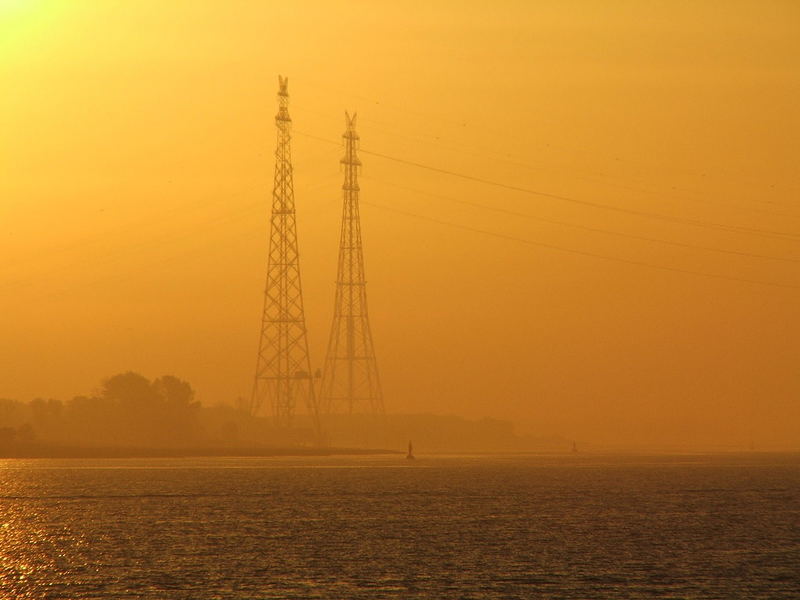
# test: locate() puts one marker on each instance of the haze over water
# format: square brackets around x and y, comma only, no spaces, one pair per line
[136,164]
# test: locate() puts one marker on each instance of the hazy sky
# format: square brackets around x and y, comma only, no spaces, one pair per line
[136,142]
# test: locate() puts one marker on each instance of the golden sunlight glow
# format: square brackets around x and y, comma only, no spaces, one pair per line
[658,300]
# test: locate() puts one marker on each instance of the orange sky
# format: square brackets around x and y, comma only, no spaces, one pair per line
[136,142]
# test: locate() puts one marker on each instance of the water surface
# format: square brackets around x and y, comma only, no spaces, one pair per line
[588,527]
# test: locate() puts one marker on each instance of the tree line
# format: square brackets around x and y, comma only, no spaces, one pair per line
[127,410]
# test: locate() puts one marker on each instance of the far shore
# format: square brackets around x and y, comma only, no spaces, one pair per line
[37,450]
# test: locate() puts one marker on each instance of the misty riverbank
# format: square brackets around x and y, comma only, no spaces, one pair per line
[131,415]
[44,450]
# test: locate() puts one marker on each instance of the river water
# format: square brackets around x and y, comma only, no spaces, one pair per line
[584,526]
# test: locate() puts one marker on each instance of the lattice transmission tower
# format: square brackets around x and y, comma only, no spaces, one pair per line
[283,370]
[350,381]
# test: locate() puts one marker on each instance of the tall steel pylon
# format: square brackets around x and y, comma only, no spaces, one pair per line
[350,381]
[283,369]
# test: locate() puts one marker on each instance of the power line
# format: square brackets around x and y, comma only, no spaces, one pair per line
[683,220]
[463,123]
[788,236]
[587,228]
[581,252]
[596,178]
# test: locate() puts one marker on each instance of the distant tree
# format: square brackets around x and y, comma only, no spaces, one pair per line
[11,412]
[129,389]
[175,392]
[45,410]
[132,410]
[7,435]
[25,433]
[178,414]
[92,419]
[47,417]
[84,403]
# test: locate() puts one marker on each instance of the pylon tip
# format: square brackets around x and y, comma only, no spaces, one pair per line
[283,85]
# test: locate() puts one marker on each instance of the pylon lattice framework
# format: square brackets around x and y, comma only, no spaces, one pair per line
[350,381]
[283,369]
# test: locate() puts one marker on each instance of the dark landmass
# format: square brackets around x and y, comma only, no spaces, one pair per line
[44,450]
[130,415]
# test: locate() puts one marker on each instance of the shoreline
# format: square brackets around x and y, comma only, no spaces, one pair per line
[58,451]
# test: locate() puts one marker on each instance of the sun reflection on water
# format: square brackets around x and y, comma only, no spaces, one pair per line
[33,553]
[25,551]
